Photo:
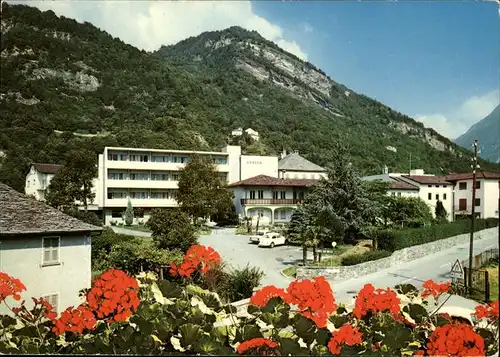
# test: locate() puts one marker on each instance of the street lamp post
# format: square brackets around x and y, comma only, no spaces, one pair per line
[473,212]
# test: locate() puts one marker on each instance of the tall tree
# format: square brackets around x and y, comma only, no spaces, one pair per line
[73,182]
[440,211]
[129,214]
[408,211]
[172,229]
[202,193]
[340,204]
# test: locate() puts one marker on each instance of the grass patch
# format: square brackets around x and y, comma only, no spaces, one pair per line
[327,262]
[291,272]
[137,228]
[242,230]
[493,280]
[204,230]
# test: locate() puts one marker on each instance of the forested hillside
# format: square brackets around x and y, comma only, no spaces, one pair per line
[67,85]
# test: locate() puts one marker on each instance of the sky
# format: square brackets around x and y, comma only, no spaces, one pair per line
[438,62]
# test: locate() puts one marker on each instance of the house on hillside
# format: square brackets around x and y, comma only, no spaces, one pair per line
[38,179]
[49,251]
[294,166]
[252,133]
[271,199]
[487,194]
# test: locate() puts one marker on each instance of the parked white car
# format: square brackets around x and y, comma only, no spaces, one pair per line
[271,240]
[258,235]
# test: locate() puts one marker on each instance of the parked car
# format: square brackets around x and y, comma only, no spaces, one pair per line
[256,238]
[271,240]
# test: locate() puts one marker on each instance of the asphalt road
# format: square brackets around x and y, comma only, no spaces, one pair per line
[237,252]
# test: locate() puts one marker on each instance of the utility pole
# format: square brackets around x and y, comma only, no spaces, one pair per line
[409,173]
[474,166]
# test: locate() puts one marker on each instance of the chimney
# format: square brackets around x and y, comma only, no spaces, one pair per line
[283,154]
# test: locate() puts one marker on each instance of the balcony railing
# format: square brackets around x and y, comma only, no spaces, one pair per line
[245,201]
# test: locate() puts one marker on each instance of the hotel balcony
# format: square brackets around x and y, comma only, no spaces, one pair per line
[245,201]
[152,184]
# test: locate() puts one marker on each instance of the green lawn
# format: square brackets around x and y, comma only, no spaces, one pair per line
[290,271]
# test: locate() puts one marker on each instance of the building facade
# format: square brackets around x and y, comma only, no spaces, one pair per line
[38,180]
[487,194]
[269,199]
[397,188]
[50,252]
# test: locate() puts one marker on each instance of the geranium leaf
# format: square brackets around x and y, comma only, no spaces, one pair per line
[252,309]
[169,289]
[304,328]
[247,332]
[207,346]
[417,312]
[230,309]
[289,347]
[396,336]
[323,336]
[272,304]
[406,289]
[189,334]
[339,320]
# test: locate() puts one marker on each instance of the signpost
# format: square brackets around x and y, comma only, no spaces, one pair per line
[457,271]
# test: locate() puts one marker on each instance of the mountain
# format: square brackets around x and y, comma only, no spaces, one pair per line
[67,85]
[487,131]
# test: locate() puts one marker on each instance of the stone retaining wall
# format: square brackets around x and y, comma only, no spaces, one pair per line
[342,273]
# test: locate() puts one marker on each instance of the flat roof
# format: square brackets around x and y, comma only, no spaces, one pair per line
[220,153]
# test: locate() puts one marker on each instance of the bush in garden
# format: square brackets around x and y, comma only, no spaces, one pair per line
[365,257]
[144,315]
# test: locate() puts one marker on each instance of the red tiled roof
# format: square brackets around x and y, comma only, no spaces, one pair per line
[428,180]
[399,184]
[263,180]
[47,168]
[468,176]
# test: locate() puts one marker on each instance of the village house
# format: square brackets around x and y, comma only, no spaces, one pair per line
[49,251]
[38,180]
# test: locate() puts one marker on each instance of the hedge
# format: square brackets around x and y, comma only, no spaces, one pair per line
[365,257]
[392,240]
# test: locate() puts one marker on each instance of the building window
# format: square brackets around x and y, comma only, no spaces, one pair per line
[159,177]
[275,195]
[437,185]
[180,159]
[159,195]
[252,195]
[175,176]
[261,194]
[220,161]
[53,299]
[139,158]
[478,185]
[462,204]
[159,158]
[429,196]
[260,212]
[478,202]
[282,214]
[429,185]
[437,196]
[399,194]
[444,196]
[139,176]
[116,175]
[462,186]
[283,195]
[393,194]
[50,250]
[139,195]
[116,214]
[116,195]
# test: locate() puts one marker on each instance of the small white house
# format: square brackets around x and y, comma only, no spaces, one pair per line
[253,134]
[487,194]
[49,251]
[38,180]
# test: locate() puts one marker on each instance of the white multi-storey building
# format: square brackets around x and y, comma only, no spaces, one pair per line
[149,177]
[487,194]
[38,179]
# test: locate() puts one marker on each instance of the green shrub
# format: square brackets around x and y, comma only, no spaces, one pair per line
[398,239]
[366,257]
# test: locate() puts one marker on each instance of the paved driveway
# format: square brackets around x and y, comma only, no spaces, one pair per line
[237,252]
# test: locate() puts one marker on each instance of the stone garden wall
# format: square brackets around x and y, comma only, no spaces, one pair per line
[342,273]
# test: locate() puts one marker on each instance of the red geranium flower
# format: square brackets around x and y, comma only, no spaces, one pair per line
[489,312]
[198,257]
[259,346]
[455,340]
[314,299]
[74,320]
[347,335]
[378,300]
[261,297]
[114,295]
[10,286]
[434,289]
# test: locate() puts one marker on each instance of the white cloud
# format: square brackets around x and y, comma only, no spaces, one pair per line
[457,122]
[150,24]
